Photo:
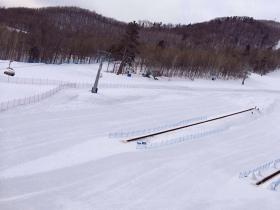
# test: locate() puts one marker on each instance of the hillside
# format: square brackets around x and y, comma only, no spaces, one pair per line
[232,32]
[225,47]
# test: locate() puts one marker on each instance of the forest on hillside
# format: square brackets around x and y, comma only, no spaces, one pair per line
[227,47]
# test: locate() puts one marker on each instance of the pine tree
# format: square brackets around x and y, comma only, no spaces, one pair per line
[127,49]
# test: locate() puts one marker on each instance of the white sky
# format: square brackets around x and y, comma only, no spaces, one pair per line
[167,11]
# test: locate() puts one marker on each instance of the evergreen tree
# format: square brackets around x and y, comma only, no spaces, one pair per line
[127,49]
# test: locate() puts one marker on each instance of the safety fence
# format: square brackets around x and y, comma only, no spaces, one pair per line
[33,99]
[275,185]
[164,143]
[134,133]
[107,85]
[258,170]
[143,86]
[36,81]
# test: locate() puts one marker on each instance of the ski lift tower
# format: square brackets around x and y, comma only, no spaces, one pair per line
[104,55]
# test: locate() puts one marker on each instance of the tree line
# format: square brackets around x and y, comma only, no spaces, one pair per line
[225,47]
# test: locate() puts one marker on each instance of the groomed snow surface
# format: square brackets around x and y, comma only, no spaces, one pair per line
[62,152]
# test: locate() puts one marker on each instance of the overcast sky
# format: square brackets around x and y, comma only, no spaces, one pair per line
[167,11]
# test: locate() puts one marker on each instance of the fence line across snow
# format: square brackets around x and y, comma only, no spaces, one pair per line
[275,185]
[260,168]
[4,106]
[188,126]
[132,133]
[155,145]
[36,81]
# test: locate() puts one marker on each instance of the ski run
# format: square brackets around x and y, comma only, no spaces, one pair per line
[61,147]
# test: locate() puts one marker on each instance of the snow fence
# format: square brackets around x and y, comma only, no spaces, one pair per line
[164,143]
[147,131]
[275,185]
[261,168]
[36,81]
[4,106]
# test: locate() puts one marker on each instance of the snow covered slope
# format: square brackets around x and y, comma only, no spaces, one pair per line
[60,154]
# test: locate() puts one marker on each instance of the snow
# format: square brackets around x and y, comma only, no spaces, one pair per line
[277,47]
[57,154]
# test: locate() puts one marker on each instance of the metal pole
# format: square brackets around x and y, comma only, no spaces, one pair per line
[95,86]
[187,126]
[108,66]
